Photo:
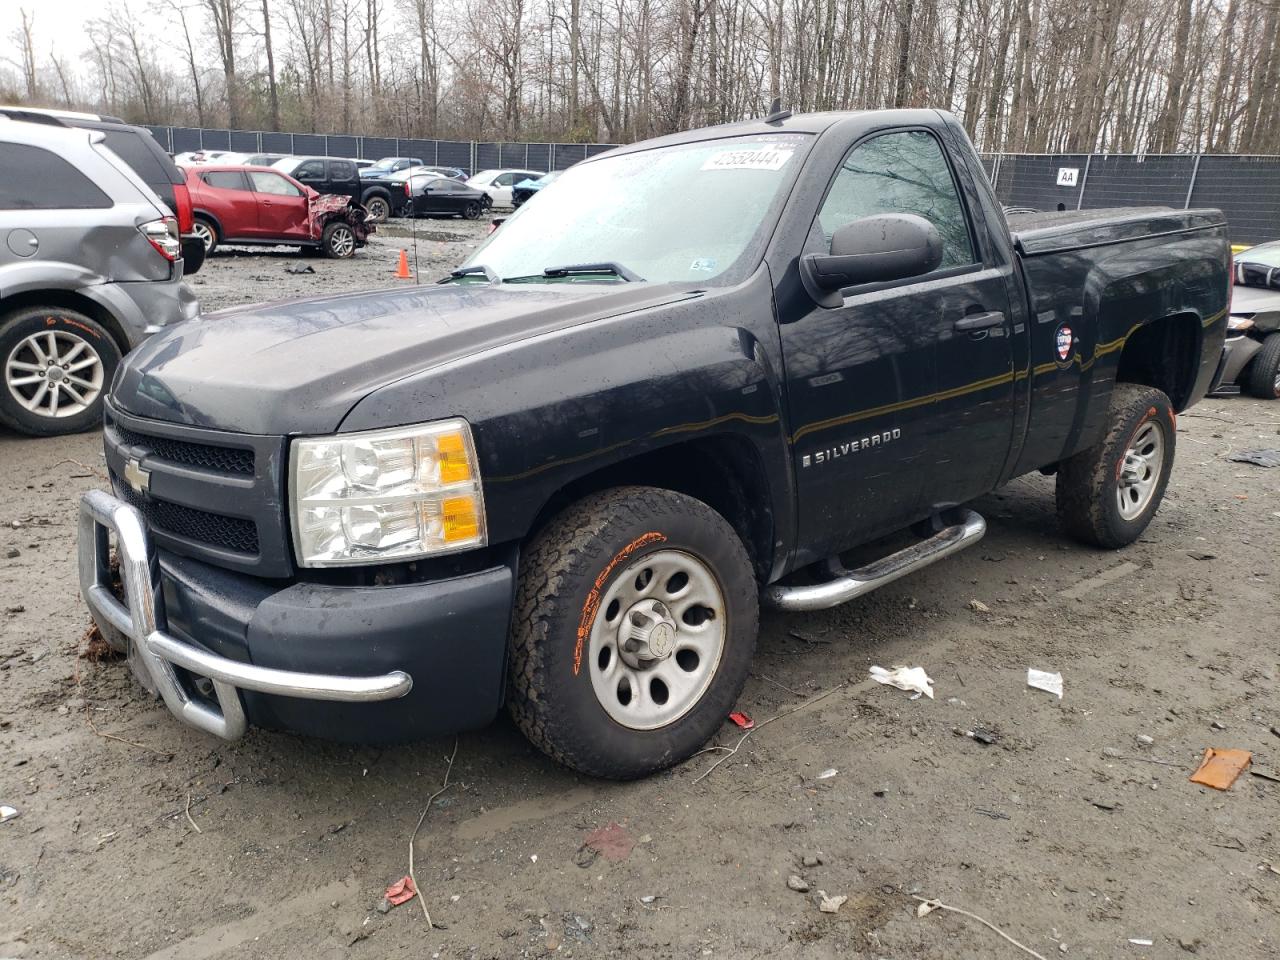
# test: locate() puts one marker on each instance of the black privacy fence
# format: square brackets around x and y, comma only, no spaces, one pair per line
[1245,188]
[469,155]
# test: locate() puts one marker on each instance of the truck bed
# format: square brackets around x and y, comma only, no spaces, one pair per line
[1058,231]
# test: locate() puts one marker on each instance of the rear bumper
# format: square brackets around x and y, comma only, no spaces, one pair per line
[359,664]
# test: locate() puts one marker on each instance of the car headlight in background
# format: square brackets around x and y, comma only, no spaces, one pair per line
[1238,324]
[386,495]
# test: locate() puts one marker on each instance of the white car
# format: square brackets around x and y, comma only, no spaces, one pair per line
[197,157]
[498,183]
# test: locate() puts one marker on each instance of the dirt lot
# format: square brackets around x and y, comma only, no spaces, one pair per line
[138,837]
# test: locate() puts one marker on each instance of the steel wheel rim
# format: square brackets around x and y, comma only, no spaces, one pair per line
[378,210]
[657,640]
[1140,470]
[205,234]
[342,241]
[54,374]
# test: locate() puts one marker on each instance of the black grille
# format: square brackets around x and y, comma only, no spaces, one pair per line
[230,533]
[207,456]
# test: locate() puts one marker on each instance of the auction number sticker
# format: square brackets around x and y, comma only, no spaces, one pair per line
[760,158]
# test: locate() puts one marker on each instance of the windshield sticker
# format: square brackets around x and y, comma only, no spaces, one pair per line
[762,158]
[703,265]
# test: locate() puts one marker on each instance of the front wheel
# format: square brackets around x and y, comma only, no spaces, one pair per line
[1107,494]
[635,622]
[1263,379]
[338,240]
[472,210]
[57,364]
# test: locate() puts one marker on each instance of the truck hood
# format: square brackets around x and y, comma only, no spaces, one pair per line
[298,366]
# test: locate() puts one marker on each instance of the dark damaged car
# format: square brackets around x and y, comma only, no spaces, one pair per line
[564,478]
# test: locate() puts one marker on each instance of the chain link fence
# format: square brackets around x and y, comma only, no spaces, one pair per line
[1245,188]
[469,155]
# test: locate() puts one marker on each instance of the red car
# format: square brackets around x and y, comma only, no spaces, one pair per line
[264,207]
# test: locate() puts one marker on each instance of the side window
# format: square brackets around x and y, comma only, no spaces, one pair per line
[224,179]
[274,184]
[310,170]
[505,180]
[35,179]
[903,172]
[341,169]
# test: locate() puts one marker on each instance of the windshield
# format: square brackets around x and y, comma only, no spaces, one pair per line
[681,213]
[1265,254]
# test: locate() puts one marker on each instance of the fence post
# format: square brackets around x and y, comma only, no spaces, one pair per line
[995,171]
[1195,169]
[473,158]
[1084,181]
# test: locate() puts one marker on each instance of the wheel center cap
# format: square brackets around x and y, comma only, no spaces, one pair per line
[56,373]
[647,633]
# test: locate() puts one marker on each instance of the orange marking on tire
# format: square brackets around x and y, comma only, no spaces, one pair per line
[592,604]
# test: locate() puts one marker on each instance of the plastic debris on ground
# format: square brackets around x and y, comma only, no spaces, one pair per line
[830,904]
[827,774]
[742,720]
[300,267]
[979,734]
[1220,768]
[905,678]
[1043,680]
[611,842]
[402,891]
[1260,458]
[7,814]
[1141,941]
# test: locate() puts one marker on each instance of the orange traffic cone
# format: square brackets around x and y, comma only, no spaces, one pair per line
[402,271]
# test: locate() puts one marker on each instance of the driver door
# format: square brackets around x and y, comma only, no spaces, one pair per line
[875,440]
[282,207]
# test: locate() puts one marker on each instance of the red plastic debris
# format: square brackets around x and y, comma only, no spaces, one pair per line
[742,720]
[611,842]
[400,892]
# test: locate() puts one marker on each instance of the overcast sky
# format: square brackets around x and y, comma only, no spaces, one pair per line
[59,24]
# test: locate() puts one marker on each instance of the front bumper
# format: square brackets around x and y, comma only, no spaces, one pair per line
[225,652]
[1237,352]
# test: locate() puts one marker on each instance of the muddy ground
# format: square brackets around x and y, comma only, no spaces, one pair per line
[1065,832]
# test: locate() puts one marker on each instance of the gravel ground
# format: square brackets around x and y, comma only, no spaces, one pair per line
[138,837]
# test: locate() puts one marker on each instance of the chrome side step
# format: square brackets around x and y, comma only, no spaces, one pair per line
[848,584]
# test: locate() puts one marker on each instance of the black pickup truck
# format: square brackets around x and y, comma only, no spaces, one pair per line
[564,477]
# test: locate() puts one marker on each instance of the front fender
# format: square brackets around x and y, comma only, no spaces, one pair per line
[550,410]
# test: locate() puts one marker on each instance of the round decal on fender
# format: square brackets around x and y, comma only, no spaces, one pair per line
[1065,339]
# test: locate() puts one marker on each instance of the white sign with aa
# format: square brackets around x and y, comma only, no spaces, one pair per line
[1067,176]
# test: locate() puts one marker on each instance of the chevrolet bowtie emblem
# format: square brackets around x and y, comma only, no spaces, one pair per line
[137,478]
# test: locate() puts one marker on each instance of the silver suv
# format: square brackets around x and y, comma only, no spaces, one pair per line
[90,265]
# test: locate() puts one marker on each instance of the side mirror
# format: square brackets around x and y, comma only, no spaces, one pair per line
[877,249]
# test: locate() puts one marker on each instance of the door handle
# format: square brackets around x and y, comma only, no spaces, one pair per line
[979,321]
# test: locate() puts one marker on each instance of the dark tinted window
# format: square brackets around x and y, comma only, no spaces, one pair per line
[224,179]
[310,170]
[129,146]
[35,179]
[903,172]
[342,169]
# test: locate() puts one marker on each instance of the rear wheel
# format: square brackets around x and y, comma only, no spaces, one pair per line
[1107,494]
[207,234]
[472,210]
[338,240]
[57,364]
[378,209]
[1263,378]
[635,623]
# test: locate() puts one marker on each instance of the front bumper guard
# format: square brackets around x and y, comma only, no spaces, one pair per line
[139,630]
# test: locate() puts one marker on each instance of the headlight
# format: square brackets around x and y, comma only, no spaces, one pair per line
[386,495]
[1239,324]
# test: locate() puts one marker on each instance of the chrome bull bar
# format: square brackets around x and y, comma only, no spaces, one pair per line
[139,629]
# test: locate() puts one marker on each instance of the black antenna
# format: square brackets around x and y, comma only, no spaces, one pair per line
[776,113]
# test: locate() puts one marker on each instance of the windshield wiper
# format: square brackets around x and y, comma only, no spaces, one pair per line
[587,269]
[476,269]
